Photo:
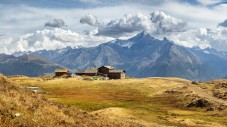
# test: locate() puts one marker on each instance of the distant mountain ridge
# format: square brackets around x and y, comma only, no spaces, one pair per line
[29,65]
[141,56]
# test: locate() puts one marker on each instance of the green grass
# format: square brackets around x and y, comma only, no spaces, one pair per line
[94,106]
[157,109]
[143,97]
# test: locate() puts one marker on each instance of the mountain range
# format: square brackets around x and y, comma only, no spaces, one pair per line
[26,64]
[141,56]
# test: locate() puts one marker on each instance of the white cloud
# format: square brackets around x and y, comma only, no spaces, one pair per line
[89,19]
[159,23]
[28,19]
[196,16]
[128,24]
[51,39]
[24,19]
[203,38]
[18,20]
[56,23]
[165,23]
[6,44]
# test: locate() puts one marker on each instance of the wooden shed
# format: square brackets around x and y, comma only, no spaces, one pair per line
[61,72]
[116,74]
[105,69]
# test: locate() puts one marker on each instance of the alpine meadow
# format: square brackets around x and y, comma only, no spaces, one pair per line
[113,63]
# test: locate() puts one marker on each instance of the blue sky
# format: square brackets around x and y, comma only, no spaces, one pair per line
[98,3]
[23,22]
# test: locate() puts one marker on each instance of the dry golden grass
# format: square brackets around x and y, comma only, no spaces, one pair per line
[21,107]
[138,101]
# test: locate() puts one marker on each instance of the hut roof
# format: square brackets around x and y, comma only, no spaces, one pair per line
[62,70]
[117,71]
[109,67]
[80,71]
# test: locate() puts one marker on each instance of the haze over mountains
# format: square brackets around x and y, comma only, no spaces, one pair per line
[28,65]
[141,56]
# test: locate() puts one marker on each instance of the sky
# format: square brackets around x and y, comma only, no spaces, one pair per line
[31,25]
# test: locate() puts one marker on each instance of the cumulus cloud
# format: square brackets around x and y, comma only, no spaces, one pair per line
[6,44]
[203,38]
[165,23]
[89,19]
[55,23]
[223,24]
[128,24]
[50,40]
[159,23]
[125,25]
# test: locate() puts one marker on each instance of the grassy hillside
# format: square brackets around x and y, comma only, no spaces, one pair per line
[20,107]
[147,102]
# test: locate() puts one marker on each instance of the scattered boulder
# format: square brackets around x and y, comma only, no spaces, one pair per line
[172,92]
[199,103]
[195,82]
[220,94]
[221,85]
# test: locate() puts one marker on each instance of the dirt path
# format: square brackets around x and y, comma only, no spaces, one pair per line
[200,92]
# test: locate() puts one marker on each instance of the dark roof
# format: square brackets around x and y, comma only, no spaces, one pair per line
[80,71]
[109,67]
[116,71]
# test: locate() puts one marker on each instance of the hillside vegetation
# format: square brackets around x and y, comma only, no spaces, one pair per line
[20,107]
[146,102]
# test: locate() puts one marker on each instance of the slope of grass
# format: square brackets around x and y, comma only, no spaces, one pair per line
[138,100]
[20,107]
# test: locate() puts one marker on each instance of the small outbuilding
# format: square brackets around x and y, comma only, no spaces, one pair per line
[116,74]
[105,69]
[62,72]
